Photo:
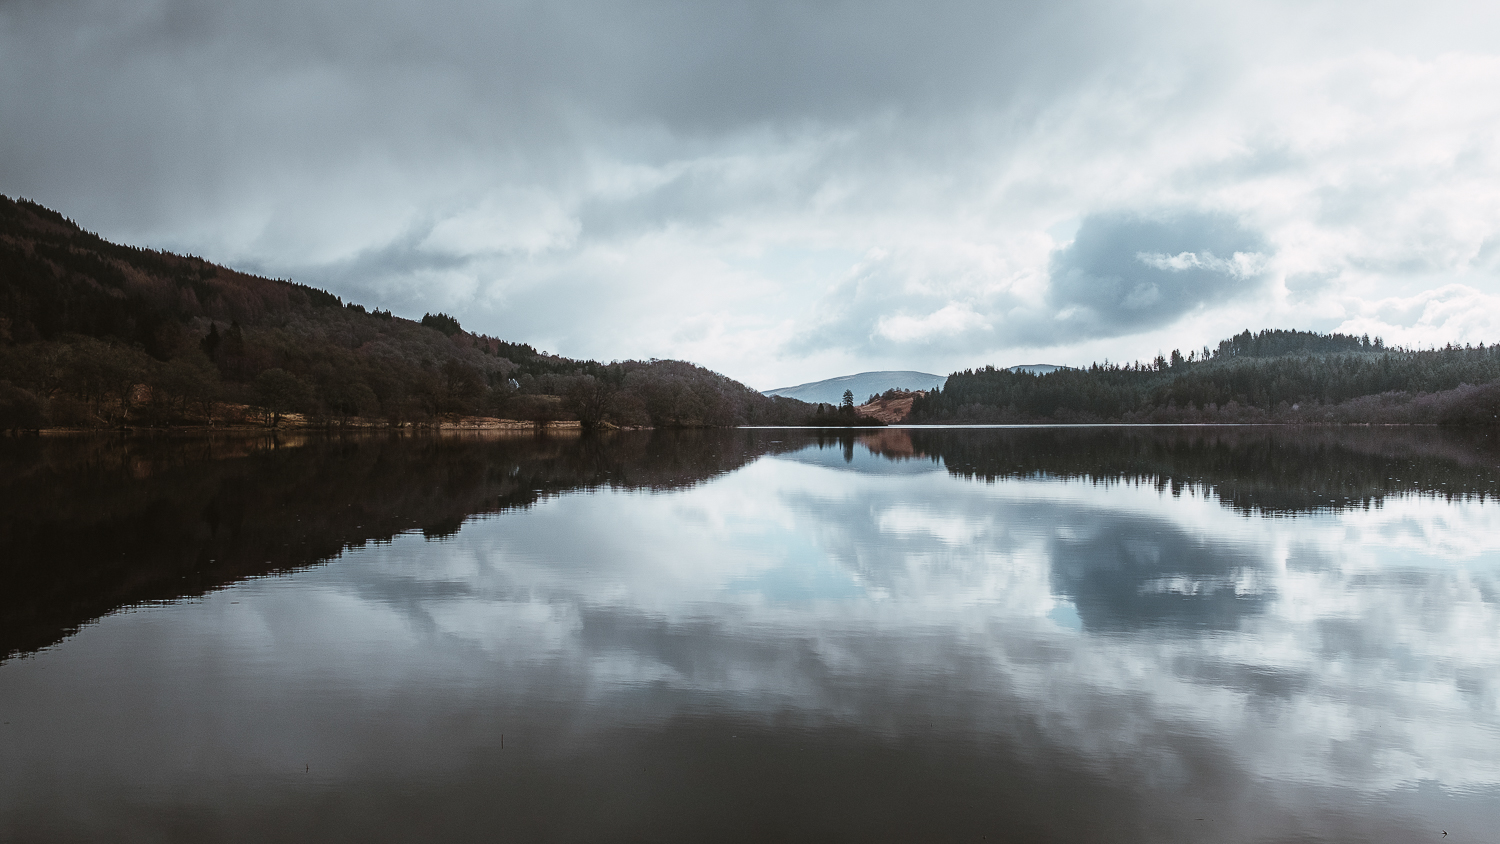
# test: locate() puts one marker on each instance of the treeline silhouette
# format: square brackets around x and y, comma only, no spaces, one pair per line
[95,334]
[1272,376]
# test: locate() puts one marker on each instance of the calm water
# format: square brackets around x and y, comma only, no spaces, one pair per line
[1153,635]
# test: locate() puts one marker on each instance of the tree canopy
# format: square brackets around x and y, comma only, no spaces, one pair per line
[1281,376]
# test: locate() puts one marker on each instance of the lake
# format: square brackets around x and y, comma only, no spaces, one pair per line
[1045,634]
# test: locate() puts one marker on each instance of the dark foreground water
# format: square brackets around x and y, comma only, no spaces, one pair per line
[1120,635]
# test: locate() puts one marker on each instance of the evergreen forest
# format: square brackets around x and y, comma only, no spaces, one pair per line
[1270,376]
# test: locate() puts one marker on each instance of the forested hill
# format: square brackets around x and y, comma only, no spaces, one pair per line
[1272,376]
[97,334]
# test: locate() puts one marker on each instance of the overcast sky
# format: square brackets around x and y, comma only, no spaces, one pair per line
[786,192]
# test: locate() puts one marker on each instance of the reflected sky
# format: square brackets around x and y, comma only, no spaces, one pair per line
[830,643]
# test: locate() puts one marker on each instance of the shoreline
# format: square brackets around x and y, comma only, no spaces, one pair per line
[299,427]
[478,424]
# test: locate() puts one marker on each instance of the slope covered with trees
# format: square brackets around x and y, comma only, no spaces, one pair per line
[1272,376]
[94,334]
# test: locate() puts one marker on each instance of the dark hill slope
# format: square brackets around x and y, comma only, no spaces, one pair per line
[56,279]
[93,333]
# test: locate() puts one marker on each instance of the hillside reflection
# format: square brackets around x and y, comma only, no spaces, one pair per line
[89,525]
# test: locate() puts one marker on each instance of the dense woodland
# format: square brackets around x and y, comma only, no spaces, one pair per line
[94,334]
[1272,376]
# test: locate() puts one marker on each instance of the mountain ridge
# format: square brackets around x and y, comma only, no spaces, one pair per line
[874,383]
[861,384]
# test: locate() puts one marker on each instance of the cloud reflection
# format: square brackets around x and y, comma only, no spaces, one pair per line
[1255,661]
[1206,622]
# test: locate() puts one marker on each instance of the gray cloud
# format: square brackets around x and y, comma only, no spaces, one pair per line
[595,176]
[1125,272]
[166,95]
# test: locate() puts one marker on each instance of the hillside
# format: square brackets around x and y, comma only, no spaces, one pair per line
[890,407]
[1271,376]
[862,385]
[94,334]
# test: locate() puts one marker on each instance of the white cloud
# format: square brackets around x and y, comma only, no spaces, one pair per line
[530,223]
[1239,265]
[1453,313]
[951,319]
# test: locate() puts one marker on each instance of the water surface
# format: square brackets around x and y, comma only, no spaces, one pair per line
[1045,635]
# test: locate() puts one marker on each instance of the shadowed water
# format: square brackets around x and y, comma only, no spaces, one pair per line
[1237,634]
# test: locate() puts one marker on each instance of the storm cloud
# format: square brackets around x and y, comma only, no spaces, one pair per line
[1125,273]
[790,191]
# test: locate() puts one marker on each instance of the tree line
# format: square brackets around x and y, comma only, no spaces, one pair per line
[95,334]
[1271,376]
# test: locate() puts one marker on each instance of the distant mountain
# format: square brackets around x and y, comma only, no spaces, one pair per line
[863,385]
[1037,368]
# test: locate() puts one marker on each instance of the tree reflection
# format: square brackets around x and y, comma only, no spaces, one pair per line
[92,524]
[88,525]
